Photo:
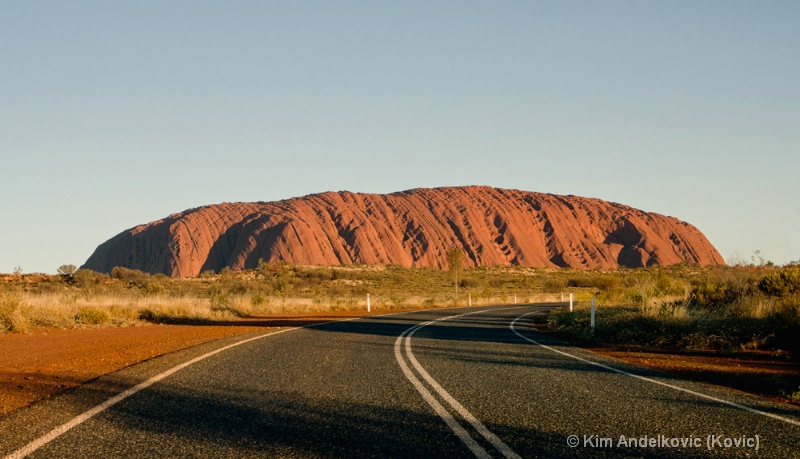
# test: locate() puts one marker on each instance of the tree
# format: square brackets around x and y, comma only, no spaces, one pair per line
[455,260]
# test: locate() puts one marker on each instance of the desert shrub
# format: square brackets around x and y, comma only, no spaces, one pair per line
[175,314]
[131,277]
[154,287]
[257,299]
[782,283]
[622,296]
[334,290]
[469,283]
[579,282]
[149,315]
[626,325]
[315,275]
[220,301]
[601,282]
[668,285]
[87,278]
[714,296]
[224,305]
[12,318]
[555,283]
[605,282]
[672,309]
[233,285]
[123,314]
[92,316]
[280,276]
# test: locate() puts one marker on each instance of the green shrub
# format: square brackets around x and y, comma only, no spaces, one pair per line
[555,284]
[626,325]
[602,282]
[713,296]
[782,283]
[579,282]
[667,285]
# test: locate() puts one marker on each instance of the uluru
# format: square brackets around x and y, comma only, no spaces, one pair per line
[493,227]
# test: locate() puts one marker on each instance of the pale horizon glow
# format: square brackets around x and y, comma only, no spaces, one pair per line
[118,114]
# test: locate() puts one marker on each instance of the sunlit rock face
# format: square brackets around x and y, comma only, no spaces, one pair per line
[493,226]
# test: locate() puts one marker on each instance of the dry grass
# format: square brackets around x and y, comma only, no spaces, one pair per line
[678,294]
[21,312]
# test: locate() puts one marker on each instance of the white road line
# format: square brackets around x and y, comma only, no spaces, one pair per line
[465,437]
[680,389]
[63,428]
[451,422]
[86,415]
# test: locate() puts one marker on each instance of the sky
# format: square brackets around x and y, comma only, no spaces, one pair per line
[115,114]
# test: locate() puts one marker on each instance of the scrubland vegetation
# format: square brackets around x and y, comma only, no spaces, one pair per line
[723,308]
[717,308]
[85,298]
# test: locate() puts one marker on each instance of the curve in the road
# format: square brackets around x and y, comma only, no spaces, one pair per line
[403,343]
[643,378]
[86,415]
[481,346]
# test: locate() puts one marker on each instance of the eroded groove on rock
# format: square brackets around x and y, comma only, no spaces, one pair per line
[494,227]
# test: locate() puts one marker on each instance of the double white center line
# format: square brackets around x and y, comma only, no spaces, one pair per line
[403,345]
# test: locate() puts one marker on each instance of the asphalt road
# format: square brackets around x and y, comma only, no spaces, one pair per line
[467,382]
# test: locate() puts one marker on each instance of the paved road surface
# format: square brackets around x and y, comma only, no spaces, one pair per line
[466,382]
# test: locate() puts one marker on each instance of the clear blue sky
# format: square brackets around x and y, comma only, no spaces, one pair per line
[114,114]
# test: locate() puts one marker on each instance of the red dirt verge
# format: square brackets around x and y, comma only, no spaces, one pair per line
[770,375]
[46,362]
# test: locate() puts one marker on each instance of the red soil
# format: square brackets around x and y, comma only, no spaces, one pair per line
[43,363]
[38,365]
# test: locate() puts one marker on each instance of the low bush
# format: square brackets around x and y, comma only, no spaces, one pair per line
[782,283]
[714,296]
[92,316]
[11,317]
[626,325]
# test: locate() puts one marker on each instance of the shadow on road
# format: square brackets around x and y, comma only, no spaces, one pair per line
[173,421]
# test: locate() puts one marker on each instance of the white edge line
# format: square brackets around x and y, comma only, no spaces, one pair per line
[86,415]
[643,378]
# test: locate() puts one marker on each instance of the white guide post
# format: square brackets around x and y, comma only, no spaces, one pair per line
[593,314]
[562,297]
[470,299]
[570,302]
[515,298]
[368,305]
